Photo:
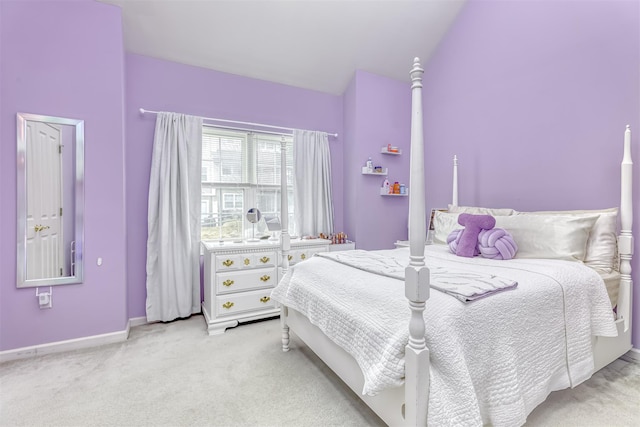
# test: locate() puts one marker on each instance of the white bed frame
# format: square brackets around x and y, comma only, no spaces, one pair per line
[408,405]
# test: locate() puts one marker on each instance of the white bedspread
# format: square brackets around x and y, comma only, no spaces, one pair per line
[492,360]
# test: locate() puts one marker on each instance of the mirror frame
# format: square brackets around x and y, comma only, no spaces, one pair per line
[21,259]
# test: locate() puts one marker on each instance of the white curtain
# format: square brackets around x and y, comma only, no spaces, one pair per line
[173,253]
[312,184]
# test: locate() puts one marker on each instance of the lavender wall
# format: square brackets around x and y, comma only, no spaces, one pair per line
[160,85]
[65,59]
[533,97]
[377,113]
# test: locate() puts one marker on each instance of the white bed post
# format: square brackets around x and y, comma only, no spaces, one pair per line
[285,244]
[454,198]
[416,274]
[625,239]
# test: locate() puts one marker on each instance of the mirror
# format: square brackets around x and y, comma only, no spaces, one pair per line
[253,216]
[50,181]
[273,225]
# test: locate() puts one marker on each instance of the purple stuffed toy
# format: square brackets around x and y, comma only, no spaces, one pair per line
[454,238]
[467,244]
[497,244]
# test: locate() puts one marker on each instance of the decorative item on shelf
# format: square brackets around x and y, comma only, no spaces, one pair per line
[378,170]
[385,186]
[369,165]
[403,189]
[396,188]
[391,192]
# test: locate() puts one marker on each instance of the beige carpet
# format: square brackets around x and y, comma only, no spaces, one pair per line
[175,375]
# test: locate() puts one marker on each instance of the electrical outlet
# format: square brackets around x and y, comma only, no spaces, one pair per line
[44,300]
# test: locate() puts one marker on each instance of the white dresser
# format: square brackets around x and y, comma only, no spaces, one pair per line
[238,278]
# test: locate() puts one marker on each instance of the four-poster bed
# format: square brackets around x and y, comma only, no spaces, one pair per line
[443,365]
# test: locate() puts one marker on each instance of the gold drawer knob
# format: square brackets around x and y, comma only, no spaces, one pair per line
[265,299]
[228,282]
[303,256]
[227,305]
[264,259]
[265,278]
[227,263]
[290,257]
[247,261]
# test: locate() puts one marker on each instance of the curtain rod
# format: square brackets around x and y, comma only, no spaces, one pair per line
[335,135]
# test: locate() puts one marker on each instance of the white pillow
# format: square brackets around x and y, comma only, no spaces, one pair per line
[481,211]
[443,224]
[549,236]
[602,242]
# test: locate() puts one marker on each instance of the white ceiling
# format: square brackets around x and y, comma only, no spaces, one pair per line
[313,44]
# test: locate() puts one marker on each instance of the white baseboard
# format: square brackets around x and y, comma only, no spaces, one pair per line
[137,321]
[632,355]
[74,344]
[60,346]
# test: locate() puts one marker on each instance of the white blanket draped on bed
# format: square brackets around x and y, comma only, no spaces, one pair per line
[465,285]
[492,360]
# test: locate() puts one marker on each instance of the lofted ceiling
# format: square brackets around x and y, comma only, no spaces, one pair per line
[313,44]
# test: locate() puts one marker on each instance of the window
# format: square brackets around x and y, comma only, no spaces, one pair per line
[241,170]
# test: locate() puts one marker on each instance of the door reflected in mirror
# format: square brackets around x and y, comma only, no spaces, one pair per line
[50,200]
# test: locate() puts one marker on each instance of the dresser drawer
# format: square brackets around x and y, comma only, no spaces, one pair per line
[235,281]
[299,255]
[245,301]
[245,261]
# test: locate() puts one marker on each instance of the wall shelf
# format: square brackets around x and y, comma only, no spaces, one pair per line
[385,171]
[365,171]
[384,193]
[384,150]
